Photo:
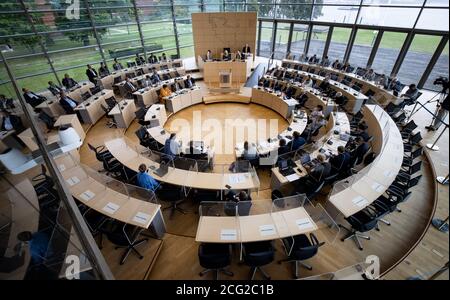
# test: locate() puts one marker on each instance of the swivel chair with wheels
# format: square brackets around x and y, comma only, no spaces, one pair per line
[362,221]
[215,258]
[256,255]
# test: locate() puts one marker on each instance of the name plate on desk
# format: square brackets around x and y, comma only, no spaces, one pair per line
[73,181]
[111,208]
[266,230]
[61,168]
[292,177]
[360,201]
[141,218]
[87,195]
[228,235]
[304,223]
[378,187]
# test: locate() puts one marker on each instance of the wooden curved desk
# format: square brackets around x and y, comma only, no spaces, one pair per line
[382,96]
[98,196]
[90,110]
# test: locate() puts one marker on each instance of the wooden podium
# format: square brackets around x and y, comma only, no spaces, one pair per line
[225,79]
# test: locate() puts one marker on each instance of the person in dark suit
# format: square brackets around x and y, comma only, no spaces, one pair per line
[91,74]
[6,103]
[32,98]
[155,77]
[297,141]
[316,175]
[117,65]
[129,86]
[53,88]
[68,82]
[152,59]
[67,103]
[362,148]
[302,98]
[340,99]
[103,70]
[325,84]
[313,59]
[282,147]
[139,60]
[233,201]
[11,122]
[189,82]
[340,161]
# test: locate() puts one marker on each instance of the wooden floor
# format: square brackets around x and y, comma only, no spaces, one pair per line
[178,257]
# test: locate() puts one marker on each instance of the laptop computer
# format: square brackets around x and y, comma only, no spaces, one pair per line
[162,170]
[285,168]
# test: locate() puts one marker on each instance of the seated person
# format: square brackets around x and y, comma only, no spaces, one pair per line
[316,113]
[325,84]
[340,99]
[289,56]
[316,175]
[117,65]
[164,92]
[290,91]
[340,161]
[308,82]
[316,124]
[164,58]
[195,153]
[129,87]
[336,64]
[189,82]
[383,81]
[411,93]
[226,55]
[53,88]
[243,209]
[395,86]
[10,122]
[152,59]
[246,49]
[147,81]
[6,103]
[347,68]
[362,131]
[239,56]
[139,60]
[296,143]
[32,98]
[144,180]
[303,58]
[369,75]
[68,82]
[249,151]
[325,62]
[313,59]
[103,70]
[362,148]
[171,146]
[67,103]
[302,98]
[155,77]
[282,147]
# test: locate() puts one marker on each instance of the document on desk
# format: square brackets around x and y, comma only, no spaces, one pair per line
[73,181]
[266,230]
[228,234]
[304,223]
[61,168]
[360,201]
[234,179]
[292,177]
[141,218]
[87,195]
[111,208]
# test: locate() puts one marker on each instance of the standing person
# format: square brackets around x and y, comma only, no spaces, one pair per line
[144,180]
[171,146]
[441,115]
[164,58]
[209,56]
[249,151]
[246,50]
[325,62]
[189,82]
[91,74]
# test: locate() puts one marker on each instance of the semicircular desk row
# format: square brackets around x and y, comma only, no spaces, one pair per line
[381,95]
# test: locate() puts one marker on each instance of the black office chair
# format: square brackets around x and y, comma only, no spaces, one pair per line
[43,185]
[95,90]
[205,195]
[400,118]
[414,140]
[110,122]
[407,172]
[47,119]
[86,95]
[111,102]
[408,160]
[363,221]
[172,194]
[409,127]
[95,222]
[214,257]
[106,158]
[140,116]
[302,249]
[381,210]
[392,109]
[124,236]
[256,255]
[311,195]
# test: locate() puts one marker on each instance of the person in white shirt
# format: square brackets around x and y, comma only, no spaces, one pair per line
[316,113]
[209,55]
[308,82]
[249,151]
[370,75]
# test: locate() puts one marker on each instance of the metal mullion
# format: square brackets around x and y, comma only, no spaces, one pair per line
[88,243]
[375,47]
[274,35]
[44,49]
[94,30]
[353,33]
[328,41]
[259,37]
[433,61]
[136,15]
[202,5]
[308,39]
[175,30]
[291,29]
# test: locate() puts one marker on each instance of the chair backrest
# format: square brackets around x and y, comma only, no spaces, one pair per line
[416,153]
[104,108]
[47,119]
[86,95]
[415,168]
[95,90]
[410,126]
[214,256]
[117,234]
[415,139]
[111,101]
[306,252]
[140,133]
[258,254]
[92,148]
[415,181]
[140,113]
